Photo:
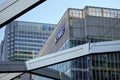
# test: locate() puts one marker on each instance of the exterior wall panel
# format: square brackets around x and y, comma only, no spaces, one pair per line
[51,45]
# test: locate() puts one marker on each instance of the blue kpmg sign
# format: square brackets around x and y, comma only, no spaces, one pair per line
[60,33]
[47,27]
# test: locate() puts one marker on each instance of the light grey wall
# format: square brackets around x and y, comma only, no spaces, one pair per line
[51,46]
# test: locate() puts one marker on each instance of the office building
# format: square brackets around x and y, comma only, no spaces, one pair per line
[88,25]
[79,26]
[23,40]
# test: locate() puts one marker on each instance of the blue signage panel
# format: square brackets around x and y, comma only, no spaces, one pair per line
[60,33]
[47,27]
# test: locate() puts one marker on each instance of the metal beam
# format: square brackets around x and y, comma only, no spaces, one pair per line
[51,73]
[8,76]
[10,67]
[58,57]
[9,70]
[12,9]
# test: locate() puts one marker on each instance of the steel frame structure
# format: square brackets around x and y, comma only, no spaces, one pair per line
[38,65]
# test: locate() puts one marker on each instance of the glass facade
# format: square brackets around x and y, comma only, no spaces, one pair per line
[88,25]
[92,67]
[23,40]
[94,24]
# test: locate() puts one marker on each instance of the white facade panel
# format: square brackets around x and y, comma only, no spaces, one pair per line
[101,47]
[58,57]
[11,8]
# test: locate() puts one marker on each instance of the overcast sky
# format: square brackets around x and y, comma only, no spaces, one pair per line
[52,10]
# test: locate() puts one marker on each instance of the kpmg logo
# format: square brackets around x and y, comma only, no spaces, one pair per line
[60,33]
[47,27]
